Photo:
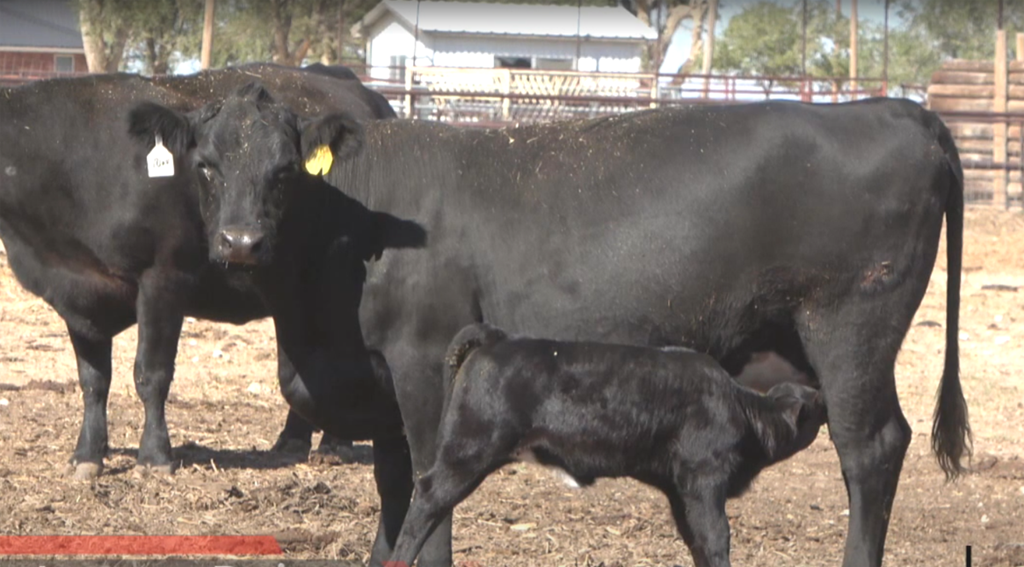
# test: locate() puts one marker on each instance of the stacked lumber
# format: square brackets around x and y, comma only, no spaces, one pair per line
[969,86]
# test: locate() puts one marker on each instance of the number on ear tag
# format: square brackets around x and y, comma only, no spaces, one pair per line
[160,160]
[320,162]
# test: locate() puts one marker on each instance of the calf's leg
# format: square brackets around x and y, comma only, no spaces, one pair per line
[437,494]
[698,508]
[94,373]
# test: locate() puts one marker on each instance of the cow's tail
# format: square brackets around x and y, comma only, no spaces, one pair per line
[465,342]
[951,431]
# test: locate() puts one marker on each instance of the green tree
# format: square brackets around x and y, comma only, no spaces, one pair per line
[289,32]
[165,33]
[765,40]
[762,40]
[105,29]
[937,30]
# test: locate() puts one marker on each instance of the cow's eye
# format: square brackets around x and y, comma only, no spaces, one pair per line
[205,170]
[287,170]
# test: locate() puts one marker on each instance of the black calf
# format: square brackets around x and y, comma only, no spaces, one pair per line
[670,418]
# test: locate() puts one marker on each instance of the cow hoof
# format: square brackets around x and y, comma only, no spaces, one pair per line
[146,471]
[83,471]
[292,447]
[333,456]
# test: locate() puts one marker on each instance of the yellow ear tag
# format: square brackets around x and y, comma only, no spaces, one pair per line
[320,162]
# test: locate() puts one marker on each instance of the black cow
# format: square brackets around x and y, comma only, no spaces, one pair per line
[807,230]
[106,246]
[670,418]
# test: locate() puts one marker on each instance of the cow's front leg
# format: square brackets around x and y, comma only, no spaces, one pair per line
[93,357]
[418,382]
[297,439]
[160,316]
[392,471]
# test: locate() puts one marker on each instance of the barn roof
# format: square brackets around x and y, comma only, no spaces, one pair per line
[514,19]
[39,24]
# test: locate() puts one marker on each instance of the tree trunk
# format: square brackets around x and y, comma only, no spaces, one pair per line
[100,56]
[282,26]
[92,42]
[709,45]
[696,46]
[666,29]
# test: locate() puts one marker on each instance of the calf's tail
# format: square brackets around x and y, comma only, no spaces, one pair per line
[951,431]
[470,338]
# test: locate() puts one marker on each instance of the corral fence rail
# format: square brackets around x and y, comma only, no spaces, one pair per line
[987,181]
[491,96]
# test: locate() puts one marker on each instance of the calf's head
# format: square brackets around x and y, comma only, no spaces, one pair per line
[251,157]
[803,409]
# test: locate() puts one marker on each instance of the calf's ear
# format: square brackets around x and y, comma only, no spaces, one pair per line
[324,139]
[798,403]
[147,120]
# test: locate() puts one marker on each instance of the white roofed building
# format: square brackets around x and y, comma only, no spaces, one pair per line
[402,33]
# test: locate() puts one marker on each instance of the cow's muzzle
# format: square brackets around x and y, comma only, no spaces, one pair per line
[241,246]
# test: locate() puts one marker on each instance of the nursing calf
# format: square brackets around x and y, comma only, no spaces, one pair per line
[670,418]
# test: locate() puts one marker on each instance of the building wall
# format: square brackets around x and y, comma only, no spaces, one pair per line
[390,40]
[595,55]
[21,63]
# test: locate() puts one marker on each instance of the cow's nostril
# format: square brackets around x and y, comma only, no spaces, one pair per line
[256,245]
[226,240]
[240,245]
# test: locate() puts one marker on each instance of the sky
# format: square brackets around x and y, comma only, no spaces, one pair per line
[873,10]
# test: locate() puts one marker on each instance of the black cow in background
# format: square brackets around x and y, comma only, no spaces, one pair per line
[89,232]
[807,230]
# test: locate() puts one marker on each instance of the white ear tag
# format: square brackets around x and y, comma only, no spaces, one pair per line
[160,160]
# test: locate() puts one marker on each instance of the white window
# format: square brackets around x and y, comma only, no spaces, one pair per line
[397,67]
[64,63]
[552,64]
[502,62]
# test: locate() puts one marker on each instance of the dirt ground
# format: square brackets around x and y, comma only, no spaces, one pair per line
[225,412]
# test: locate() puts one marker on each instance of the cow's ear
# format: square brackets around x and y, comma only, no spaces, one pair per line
[147,120]
[324,139]
[386,231]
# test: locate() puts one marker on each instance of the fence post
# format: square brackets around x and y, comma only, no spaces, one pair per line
[655,90]
[408,91]
[999,129]
[506,88]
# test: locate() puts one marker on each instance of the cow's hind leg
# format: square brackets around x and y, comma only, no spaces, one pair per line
[160,318]
[853,351]
[296,437]
[94,374]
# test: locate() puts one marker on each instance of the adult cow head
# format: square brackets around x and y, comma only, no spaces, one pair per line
[252,156]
